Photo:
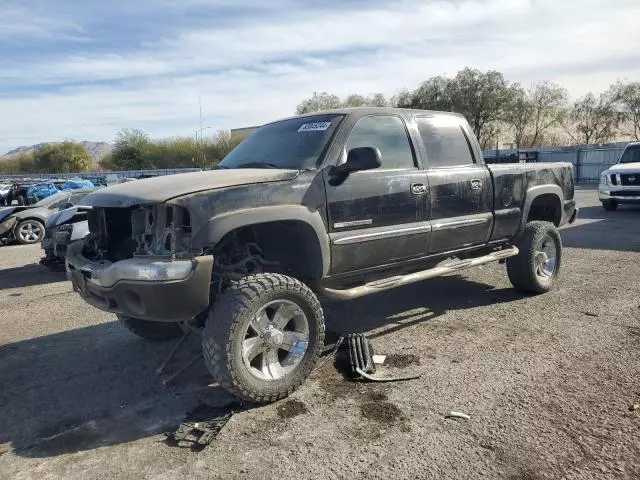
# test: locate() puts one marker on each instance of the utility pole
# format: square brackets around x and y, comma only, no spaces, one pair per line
[200,144]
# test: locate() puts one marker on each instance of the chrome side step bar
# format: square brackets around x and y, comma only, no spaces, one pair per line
[398,281]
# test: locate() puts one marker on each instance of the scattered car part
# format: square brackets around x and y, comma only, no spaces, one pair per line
[360,353]
[453,414]
[361,360]
[201,426]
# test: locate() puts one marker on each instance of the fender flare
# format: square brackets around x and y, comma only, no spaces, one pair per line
[535,192]
[218,226]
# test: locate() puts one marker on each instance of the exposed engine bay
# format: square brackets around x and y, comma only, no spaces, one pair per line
[155,230]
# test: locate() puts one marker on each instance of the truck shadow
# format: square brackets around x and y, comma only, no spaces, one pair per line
[388,312]
[599,229]
[91,387]
[29,275]
[96,386]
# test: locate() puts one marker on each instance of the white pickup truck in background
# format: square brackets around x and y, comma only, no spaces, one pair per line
[621,183]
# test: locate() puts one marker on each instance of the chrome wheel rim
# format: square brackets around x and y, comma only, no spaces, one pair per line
[546,258]
[275,340]
[29,232]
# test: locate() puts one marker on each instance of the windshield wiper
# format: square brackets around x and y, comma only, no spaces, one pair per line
[257,165]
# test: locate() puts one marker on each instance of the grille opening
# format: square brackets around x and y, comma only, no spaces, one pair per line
[111,228]
[186,221]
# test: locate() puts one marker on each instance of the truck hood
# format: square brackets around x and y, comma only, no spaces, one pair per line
[161,189]
[625,167]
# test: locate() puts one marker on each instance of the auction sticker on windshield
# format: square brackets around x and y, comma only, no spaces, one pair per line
[314,127]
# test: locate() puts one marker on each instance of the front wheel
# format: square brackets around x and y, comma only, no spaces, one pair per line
[536,267]
[609,205]
[263,337]
[29,231]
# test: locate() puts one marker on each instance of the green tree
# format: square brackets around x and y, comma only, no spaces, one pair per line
[65,157]
[518,116]
[549,102]
[592,120]
[627,99]
[483,99]
[325,101]
[432,94]
[319,101]
[130,150]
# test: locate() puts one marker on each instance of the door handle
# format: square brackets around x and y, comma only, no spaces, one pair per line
[476,184]
[418,188]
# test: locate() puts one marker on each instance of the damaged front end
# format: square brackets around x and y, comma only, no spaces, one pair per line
[139,262]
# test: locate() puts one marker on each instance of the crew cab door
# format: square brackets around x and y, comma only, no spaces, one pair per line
[460,186]
[377,217]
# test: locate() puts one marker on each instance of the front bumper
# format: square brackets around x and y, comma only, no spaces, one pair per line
[106,286]
[7,227]
[619,194]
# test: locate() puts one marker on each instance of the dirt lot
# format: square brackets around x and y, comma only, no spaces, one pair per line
[547,381]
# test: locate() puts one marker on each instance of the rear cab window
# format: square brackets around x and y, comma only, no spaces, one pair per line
[445,141]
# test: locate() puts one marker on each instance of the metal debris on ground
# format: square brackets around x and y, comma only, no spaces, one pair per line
[361,360]
[453,414]
[634,407]
[172,354]
[201,426]
[379,359]
[360,353]
[332,352]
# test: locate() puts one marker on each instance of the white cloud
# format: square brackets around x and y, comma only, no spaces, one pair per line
[257,71]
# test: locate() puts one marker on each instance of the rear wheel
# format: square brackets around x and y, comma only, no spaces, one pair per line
[609,205]
[29,231]
[150,330]
[536,267]
[263,337]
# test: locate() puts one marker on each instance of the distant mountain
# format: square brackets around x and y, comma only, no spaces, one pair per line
[97,150]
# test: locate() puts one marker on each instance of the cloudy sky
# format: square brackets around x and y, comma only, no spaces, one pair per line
[83,69]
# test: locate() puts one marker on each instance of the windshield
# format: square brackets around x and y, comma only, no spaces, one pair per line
[631,155]
[297,143]
[50,200]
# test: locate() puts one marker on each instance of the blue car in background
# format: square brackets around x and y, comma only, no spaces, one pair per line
[76,184]
[39,191]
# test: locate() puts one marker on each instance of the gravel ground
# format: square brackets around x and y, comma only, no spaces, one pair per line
[547,381]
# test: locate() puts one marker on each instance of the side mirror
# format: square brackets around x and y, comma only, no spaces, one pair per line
[362,158]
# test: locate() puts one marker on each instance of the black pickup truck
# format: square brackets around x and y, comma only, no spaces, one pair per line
[339,204]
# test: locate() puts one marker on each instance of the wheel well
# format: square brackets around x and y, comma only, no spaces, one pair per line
[289,246]
[20,220]
[547,208]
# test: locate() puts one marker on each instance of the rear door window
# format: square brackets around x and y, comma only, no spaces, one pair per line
[445,142]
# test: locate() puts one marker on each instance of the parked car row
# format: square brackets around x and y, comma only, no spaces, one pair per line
[29,192]
[26,224]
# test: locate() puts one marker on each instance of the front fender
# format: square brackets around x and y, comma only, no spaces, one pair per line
[218,226]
